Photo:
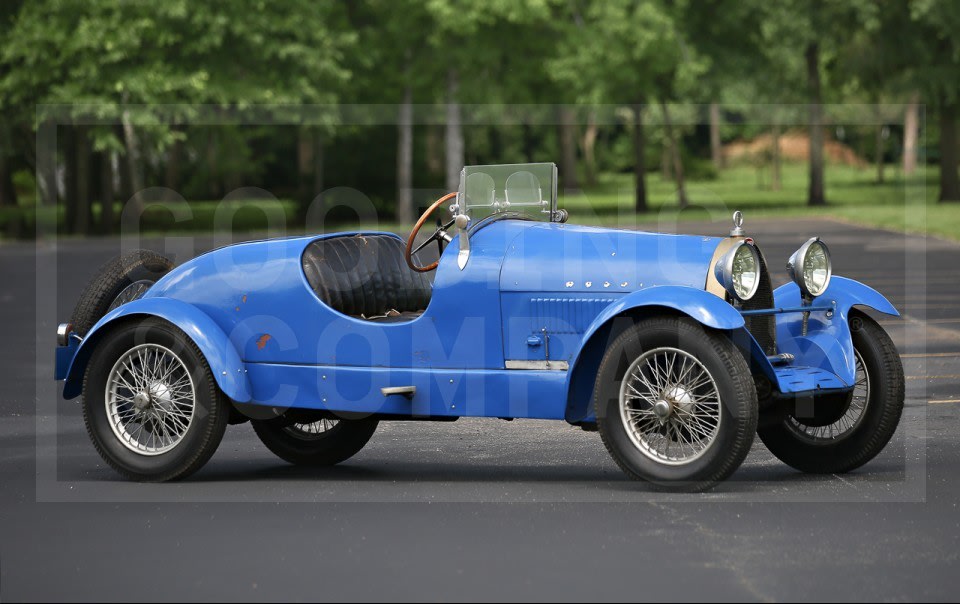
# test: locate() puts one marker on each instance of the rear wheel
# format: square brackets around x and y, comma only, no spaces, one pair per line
[844,439]
[325,442]
[121,280]
[675,404]
[150,403]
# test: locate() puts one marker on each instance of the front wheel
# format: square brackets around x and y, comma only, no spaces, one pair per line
[325,442]
[675,404]
[150,403]
[848,437]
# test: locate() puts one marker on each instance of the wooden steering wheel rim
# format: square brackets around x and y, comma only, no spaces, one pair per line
[408,253]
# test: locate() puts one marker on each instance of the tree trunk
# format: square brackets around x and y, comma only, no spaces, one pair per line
[676,156]
[949,181]
[318,163]
[304,166]
[213,164]
[38,159]
[8,194]
[106,193]
[68,145]
[124,189]
[589,143]
[529,142]
[716,148]
[568,148]
[878,151]
[454,139]
[171,178]
[133,162]
[639,162]
[405,158]
[434,155]
[666,170]
[495,142]
[911,132]
[777,160]
[81,175]
[815,195]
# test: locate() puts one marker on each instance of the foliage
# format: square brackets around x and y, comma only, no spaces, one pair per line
[189,75]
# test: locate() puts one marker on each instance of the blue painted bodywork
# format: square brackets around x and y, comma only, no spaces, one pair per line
[531,292]
[224,361]
[827,345]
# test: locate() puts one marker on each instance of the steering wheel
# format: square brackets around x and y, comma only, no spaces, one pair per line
[440,236]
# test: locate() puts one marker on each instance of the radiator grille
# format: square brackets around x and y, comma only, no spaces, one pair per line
[762,327]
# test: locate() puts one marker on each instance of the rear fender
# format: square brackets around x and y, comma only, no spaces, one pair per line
[221,355]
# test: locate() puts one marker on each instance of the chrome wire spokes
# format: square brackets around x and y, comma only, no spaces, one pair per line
[150,399]
[132,292]
[670,406]
[851,418]
[313,430]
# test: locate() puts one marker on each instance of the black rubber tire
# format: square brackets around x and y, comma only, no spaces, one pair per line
[880,420]
[211,412]
[339,443]
[738,397]
[111,279]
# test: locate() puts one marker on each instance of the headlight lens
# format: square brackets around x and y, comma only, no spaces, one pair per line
[810,267]
[739,271]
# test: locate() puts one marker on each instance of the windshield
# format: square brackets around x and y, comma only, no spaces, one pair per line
[526,190]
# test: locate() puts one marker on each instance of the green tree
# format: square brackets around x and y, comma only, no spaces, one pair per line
[629,53]
[813,29]
[726,35]
[933,52]
[152,64]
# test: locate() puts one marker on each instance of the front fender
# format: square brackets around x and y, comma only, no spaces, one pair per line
[697,304]
[846,293]
[221,355]
[828,343]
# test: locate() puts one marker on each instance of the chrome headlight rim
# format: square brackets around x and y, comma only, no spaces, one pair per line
[723,270]
[797,263]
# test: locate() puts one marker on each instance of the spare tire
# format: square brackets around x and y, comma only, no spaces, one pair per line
[123,279]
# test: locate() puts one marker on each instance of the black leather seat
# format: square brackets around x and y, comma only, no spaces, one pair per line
[367,277]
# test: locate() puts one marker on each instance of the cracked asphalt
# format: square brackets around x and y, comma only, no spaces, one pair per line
[482,509]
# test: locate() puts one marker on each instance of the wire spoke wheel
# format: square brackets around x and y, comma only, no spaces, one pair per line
[313,430]
[132,292]
[150,399]
[848,422]
[670,406]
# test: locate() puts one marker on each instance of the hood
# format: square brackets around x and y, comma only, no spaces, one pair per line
[577,259]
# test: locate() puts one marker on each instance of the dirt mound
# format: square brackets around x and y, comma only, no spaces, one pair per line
[794,146]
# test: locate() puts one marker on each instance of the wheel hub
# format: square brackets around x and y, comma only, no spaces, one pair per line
[680,397]
[662,409]
[150,399]
[142,401]
[161,395]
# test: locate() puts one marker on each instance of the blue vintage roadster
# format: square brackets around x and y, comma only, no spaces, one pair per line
[676,348]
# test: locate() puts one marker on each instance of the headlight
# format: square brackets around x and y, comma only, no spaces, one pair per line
[738,271]
[810,267]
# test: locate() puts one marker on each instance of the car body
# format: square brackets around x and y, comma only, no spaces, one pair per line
[515,325]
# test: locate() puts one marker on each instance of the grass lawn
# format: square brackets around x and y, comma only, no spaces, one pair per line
[852,195]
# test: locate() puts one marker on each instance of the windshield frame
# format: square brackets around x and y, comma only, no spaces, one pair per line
[500,206]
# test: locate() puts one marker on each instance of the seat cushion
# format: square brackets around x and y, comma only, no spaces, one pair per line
[365,276]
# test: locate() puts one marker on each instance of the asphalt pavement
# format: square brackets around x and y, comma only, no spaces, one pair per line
[481,509]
